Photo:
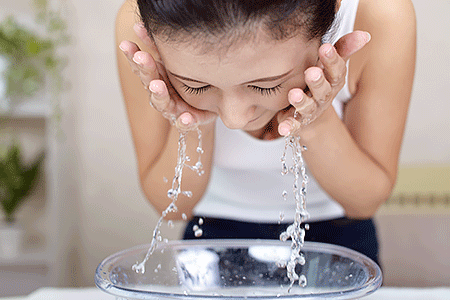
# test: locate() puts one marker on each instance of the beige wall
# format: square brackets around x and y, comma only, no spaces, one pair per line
[112,214]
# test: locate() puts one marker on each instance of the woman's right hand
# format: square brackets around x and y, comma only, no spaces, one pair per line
[162,95]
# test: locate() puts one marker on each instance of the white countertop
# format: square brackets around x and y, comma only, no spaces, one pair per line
[384,293]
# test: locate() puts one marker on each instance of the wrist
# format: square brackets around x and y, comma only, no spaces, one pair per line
[320,126]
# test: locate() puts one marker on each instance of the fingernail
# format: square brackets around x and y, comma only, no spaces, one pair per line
[329,52]
[185,119]
[137,59]
[296,96]
[284,130]
[315,76]
[153,88]
[368,37]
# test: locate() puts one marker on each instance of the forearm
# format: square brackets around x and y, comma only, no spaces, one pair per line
[342,168]
[156,178]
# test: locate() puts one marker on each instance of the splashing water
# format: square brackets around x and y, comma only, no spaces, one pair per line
[295,231]
[173,193]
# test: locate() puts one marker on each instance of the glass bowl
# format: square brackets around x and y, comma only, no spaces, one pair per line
[237,269]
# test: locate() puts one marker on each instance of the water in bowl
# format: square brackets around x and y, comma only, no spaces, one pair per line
[237,269]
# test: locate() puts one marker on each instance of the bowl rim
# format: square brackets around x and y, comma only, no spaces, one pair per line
[103,282]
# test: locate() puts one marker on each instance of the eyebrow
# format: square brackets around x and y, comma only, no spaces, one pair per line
[265,79]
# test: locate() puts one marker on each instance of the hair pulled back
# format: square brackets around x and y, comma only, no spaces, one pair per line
[281,19]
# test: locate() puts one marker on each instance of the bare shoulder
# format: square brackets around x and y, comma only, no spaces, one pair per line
[392,24]
[388,21]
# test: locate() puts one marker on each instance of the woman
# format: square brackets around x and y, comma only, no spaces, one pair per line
[239,70]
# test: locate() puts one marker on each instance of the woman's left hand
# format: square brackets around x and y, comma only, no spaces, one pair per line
[324,81]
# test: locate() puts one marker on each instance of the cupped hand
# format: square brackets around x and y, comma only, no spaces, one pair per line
[324,81]
[162,95]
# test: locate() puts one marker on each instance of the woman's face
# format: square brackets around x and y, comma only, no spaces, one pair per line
[247,85]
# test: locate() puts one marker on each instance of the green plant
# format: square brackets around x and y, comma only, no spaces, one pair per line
[32,56]
[16,180]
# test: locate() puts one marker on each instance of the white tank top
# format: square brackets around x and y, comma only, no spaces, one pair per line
[246,182]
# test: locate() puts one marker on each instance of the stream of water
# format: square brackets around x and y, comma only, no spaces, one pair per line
[295,232]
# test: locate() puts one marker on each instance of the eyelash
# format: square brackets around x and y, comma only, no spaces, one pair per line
[266,91]
[263,91]
[196,91]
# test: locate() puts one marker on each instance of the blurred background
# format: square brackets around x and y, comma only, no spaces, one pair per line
[87,203]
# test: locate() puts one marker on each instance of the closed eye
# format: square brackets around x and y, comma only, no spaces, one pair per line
[266,91]
[195,91]
[263,91]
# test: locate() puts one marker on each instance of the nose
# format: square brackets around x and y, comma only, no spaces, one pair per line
[236,112]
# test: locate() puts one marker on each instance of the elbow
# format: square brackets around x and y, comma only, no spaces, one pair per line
[368,202]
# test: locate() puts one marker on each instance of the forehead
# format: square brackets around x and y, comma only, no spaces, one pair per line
[246,58]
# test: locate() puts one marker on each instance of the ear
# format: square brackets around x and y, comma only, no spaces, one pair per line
[338,5]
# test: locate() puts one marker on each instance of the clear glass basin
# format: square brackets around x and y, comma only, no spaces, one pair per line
[237,269]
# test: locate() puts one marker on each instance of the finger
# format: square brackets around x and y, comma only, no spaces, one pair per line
[147,67]
[287,126]
[318,85]
[351,43]
[160,99]
[192,117]
[185,122]
[129,49]
[305,106]
[333,65]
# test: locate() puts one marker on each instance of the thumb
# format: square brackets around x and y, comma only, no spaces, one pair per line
[351,43]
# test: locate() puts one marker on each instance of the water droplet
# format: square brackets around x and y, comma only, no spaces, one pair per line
[183,215]
[307,226]
[200,221]
[171,193]
[302,281]
[188,194]
[170,224]
[200,150]
[165,180]
[195,228]
[198,233]
[139,268]
[284,169]
[198,165]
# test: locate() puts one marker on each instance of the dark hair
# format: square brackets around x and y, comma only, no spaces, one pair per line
[281,19]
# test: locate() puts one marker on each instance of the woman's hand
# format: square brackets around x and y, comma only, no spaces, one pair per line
[324,81]
[162,96]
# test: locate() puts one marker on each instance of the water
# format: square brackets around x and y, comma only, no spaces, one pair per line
[173,194]
[294,231]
